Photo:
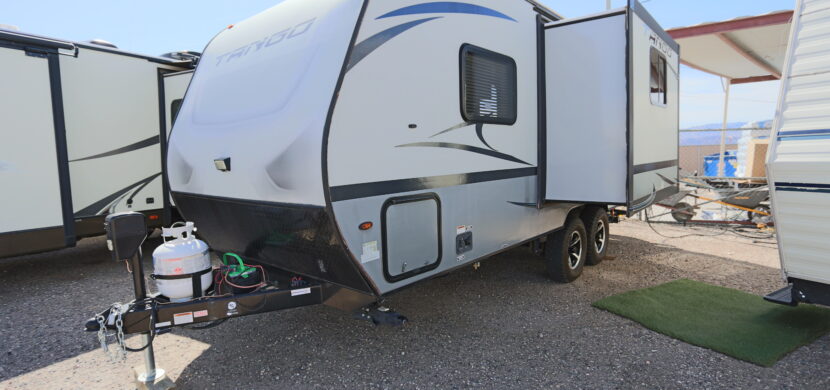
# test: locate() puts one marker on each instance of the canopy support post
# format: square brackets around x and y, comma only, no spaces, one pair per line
[722,157]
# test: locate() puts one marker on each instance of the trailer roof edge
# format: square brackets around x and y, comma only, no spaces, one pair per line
[29,39]
[52,43]
[545,11]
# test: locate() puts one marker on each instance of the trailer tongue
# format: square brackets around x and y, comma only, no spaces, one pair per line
[155,314]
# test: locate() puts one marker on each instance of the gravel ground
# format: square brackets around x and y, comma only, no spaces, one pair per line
[502,326]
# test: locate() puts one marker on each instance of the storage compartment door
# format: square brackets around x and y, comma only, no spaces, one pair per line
[411,236]
[30,200]
[586,110]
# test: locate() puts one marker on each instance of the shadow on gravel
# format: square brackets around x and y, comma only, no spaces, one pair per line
[504,325]
[46,298]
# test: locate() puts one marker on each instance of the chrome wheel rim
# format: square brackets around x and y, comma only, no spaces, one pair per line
[574,250]
[600,236]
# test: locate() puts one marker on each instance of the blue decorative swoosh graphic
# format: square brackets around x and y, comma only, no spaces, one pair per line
[448,7]
[363,49]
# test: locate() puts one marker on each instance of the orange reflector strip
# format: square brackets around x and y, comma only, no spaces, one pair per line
[153,217]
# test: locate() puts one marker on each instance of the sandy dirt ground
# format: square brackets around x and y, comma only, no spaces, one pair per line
[505,325]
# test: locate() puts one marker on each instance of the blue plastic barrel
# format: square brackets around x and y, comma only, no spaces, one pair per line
[710,164]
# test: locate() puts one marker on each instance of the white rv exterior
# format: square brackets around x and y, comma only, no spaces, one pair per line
[799,160]
[374,144]
[82,126]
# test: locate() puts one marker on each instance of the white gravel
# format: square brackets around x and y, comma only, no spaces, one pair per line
[503,326]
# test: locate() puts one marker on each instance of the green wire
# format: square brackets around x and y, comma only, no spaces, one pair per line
[241,269]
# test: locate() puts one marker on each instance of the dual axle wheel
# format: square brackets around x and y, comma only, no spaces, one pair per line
[583,240]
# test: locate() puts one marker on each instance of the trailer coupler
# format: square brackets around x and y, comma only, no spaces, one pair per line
[160,315]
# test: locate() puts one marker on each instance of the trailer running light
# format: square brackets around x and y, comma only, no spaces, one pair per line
[153,217]
[366,226]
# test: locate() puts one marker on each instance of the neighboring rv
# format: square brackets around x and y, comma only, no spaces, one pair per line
[373,144]
[82,125]
[798,164]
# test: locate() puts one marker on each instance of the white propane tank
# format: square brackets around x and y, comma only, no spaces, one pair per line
[184,254]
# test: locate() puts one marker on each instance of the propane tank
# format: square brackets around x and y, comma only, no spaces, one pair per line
[181,254]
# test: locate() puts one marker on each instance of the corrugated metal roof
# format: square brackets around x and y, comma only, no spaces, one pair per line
[745,49]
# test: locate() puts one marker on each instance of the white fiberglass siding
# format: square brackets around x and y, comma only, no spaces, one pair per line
[799,164]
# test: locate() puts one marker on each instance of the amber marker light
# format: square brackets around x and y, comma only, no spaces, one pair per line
[366,226]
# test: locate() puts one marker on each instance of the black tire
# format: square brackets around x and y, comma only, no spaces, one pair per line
[598,232]
[563,264]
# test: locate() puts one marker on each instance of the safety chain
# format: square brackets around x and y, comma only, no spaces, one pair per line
[119,328]
[116,311]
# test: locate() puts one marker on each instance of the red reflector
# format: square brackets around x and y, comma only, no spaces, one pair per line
[365,226]
[153,217]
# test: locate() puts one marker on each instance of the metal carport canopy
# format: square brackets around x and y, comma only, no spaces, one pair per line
[742,50]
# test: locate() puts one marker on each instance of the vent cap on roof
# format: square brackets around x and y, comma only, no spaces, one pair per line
[101,42]
[184,55]
[9,27]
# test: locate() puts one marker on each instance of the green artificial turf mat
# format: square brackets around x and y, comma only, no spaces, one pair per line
[729,321]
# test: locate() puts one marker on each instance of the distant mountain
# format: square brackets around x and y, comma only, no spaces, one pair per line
[702,138]
[718,126]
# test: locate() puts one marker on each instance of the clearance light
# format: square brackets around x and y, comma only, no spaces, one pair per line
[365,226]
[153,217]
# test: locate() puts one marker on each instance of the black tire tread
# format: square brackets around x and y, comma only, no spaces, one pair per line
[589,219]
[556,253]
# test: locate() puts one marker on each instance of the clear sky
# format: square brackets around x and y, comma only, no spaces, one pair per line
[155,27]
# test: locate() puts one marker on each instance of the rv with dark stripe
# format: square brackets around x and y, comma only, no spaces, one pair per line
[798,162]
[376,144]
[82,138]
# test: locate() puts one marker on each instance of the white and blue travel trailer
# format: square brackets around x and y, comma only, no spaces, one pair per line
[82,127]
[798,164]
[373,144]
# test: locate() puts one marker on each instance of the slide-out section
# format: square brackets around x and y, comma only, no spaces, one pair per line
[112,129]
[173,85]
[30,199]
[612,110]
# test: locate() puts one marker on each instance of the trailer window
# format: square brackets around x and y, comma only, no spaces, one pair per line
[488,86]
[175,106]
[657,86]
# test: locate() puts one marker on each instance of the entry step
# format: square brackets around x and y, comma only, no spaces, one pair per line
[783,296]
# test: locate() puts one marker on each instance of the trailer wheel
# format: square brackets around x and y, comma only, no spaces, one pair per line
[598,233]
[683,212]
[565,252]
